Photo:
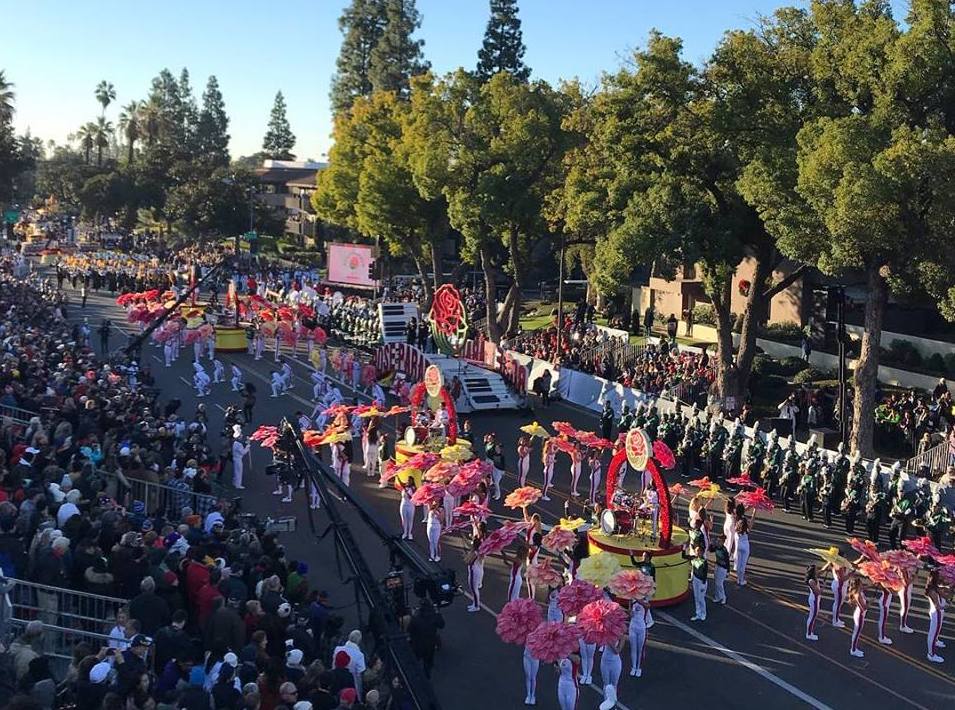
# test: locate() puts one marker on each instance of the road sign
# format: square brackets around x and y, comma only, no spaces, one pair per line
[250,236]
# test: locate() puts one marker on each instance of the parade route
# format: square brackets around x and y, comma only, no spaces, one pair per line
[751,652]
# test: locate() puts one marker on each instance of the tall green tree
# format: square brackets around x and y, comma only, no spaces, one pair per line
[279,139]
[87,138]
[129,124]
[503,47]
[7,97]
[105,94]
[361,25]
[872,191]
[213,129]
[188,115]
[396,57]
[103,131]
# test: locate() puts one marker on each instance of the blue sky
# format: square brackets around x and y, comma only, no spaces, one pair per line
[56,51]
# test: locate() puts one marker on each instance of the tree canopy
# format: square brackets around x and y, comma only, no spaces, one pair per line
[279,139]
[503,46]
[361,24]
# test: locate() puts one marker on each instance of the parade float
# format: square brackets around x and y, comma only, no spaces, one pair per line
[420,440]
[625,530]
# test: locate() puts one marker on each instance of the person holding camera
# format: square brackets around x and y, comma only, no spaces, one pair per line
[423,630]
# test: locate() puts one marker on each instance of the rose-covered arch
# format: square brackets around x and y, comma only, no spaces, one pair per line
[419,392]
[663,493]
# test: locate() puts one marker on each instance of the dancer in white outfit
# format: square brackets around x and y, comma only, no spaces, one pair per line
[523,459]
[406,511]
[236,378]
[596,472]
[610,664]
[936,607]
[905,603]
[239,451]
[815,598]
[840,576]
[211,346]
[567,690]
[637,632]
[201,382]
[742,549]
[433,529]
[287,379]
[318,386]
[729,528]
[169,350]
[549,454]
[218,372]
[475,564]
[531,667]
[278,387]
[587,653]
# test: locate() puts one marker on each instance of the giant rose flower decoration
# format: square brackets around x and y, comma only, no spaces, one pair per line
[575,596]
[448,317]
[427,494]
[632,584]
[558,540]
[522,497]
[543,574]
[598,568]
[552,641]
[517,619]
[602,622]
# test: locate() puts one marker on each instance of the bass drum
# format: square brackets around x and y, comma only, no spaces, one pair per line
[616,522]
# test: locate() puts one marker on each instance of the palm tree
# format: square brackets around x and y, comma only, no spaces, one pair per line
[105,93]
[129,124]
[150,120]
[87,137]
[103,130]
[6,98]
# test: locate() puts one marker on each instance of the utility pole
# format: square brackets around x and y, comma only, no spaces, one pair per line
[840,294]
[560,297]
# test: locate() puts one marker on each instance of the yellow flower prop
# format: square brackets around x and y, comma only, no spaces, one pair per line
[832,556]
[337,438]
[712,492]
[598,568]
[536,429]
[455,453]
[570,523]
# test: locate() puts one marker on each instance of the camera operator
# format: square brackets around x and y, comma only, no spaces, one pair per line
[423,630]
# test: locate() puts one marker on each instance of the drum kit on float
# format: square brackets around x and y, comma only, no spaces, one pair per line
[628,515]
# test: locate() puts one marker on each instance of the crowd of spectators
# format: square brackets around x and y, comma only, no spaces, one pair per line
[916,421]
[217,615]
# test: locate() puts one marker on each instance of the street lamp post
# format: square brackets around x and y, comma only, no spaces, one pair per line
[560,298]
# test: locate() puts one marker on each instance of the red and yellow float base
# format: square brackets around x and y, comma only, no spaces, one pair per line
[672,571]
[230,340]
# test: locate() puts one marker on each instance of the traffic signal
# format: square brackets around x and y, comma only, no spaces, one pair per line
[371,270]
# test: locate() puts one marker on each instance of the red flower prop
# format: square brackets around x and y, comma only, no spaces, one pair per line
[544,575]
[864,548]
[602,622]
[901,559]
[420,462]
[388,472]
[395,410]
[756,499]
[312,439]
[921,546]
[522,497]
[552,641]
[573,597]
[632,584]
[592,441]
[663,455]
[701,483]
[497,541]
[882,574]
[441,472]
[337,409]
[517,619]
[470,509]
[947,574]
[427,494]
[946,560]
[568,447]
[465,482]
[566,429]
[448,316]
[266,436]
[743,480]
[558,540]
[676,490]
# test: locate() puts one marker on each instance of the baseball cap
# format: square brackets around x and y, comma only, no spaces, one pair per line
[141,640]
[230,659]
[99,672]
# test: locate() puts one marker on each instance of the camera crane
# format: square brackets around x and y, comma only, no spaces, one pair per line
[431,579]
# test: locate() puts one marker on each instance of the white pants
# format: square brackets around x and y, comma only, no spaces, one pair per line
[277,388]
[371,459]
[905,603]
[587,652]
[934,628]
[236,383]
[531,666]
[699,597]
[610,666]
[523,466]
[567,695]
[217,374]
[475,580]
[237,472]
[838,596]
[434,540]
[885,602]
[719,578]
[638,642]
[406,512]
[496,476]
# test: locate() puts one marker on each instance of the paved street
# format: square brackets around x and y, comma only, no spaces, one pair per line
[749,653]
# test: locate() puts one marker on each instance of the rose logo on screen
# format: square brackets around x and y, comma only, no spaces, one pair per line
[354,261]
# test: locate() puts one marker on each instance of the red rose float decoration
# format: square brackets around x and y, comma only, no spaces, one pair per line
[266,436]
[756,499]
[427,494]
[865,548]
[448,317]
[522,497]
[544,575]
[663,455]
[921,546]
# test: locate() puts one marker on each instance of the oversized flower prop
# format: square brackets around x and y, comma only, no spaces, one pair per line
[565,429]
[676,490]
[632,584]
[266,436]
[743,480]
[456,453]
[883,574]
[471,509]
[465,482]
[947,574]
[558,540]
[570,523]
[517,619]
[901,559]
[427,494]
[552,641]
[448,318]
[755,499]
[922,546]
[662,453]
[499,539]
[441,472]
[865,548]
[602,622]
[598,568]
[701,483]
[544,575]
[832,556]
[535,429]
[575,596]
[522,497]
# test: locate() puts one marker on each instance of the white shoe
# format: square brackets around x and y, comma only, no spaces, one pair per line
[473,609]
[857,653]
[545,497]
[940,644]
[812,637]
[277,493]
[650,625]
[839,624]
[885,641]
[935,658]
[695,618]
[239,488]
[287,499]
[906,629]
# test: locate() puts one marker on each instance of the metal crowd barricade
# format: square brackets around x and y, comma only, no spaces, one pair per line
[937,458]
[17,414]
[167,500]
[68,616]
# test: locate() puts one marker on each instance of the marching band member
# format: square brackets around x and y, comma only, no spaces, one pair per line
[637,633]
[236,378]
[815,597]
[433,529]
[699,571]
[201,380]
[218,372]
[287,381]
[857,597]
[259,343]
[239,451]
[596,471]
[406,510]
[523,459]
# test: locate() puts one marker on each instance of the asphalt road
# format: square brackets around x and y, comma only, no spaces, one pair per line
[748,653]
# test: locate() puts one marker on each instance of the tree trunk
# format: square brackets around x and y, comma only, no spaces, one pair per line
[727,380]
[129,155]
[755,313]
[867,368]
[437,265]
[426,282]
[490,286]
